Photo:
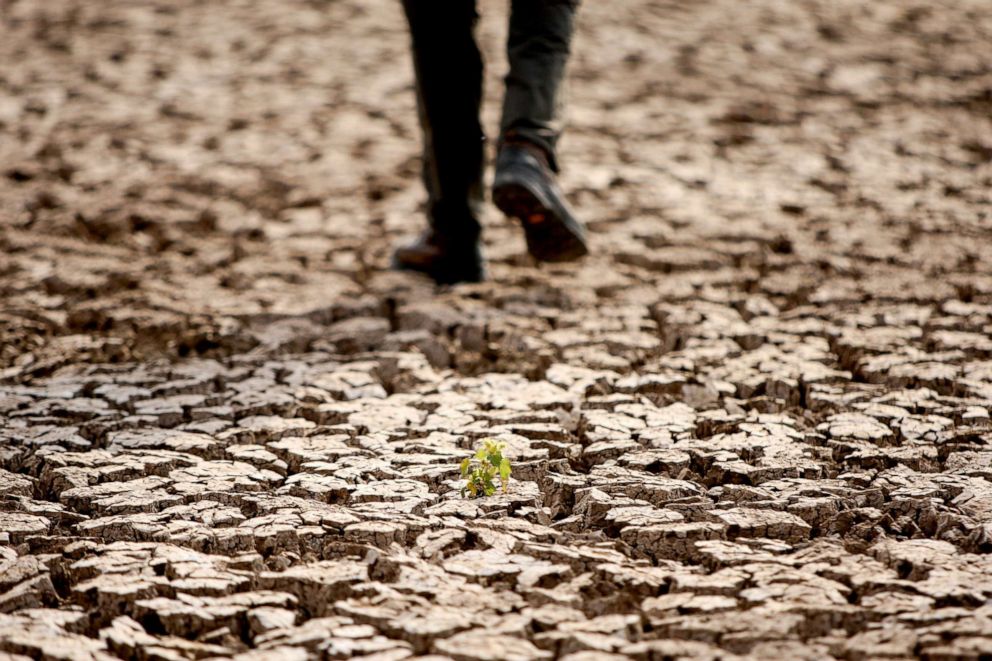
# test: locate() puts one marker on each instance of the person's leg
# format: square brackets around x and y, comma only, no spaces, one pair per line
[537,47]
[448,67]
[524,186]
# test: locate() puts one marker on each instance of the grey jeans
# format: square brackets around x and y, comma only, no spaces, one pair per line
[448,68]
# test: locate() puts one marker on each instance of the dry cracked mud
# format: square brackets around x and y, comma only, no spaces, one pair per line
[754,424]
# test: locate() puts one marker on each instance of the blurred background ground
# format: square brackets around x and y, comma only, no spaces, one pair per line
[175,173]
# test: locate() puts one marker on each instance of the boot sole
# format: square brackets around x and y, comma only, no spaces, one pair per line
[443,273]
[552,236]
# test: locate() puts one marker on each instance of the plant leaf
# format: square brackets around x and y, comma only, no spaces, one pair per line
[504,469]
[489,463]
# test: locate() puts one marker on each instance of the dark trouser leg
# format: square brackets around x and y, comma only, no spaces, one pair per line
[538,49]
[448,68]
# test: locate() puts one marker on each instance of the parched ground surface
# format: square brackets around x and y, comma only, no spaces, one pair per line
[755,424]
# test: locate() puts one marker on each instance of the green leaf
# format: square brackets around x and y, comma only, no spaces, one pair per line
[504,469]
[481,470]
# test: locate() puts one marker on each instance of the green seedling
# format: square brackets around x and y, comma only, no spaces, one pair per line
[481,470]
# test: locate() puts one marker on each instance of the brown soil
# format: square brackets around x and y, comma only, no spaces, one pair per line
[754,422]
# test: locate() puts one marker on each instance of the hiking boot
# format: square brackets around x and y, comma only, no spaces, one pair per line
[525,189]
[443,258]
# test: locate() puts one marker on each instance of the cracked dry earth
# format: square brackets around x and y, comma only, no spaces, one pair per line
[755,424]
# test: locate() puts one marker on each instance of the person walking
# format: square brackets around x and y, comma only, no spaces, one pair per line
[449,71]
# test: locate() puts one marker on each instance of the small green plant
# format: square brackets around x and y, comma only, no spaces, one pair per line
[481,470]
